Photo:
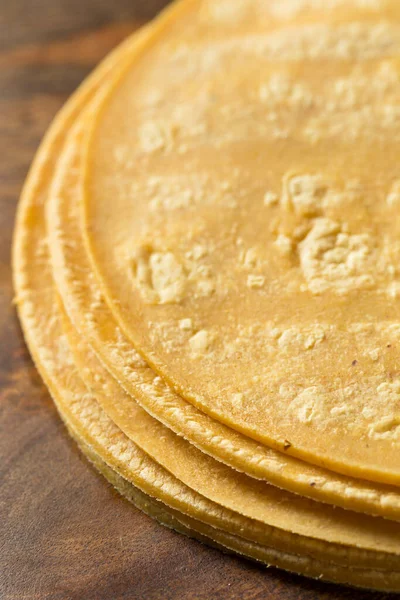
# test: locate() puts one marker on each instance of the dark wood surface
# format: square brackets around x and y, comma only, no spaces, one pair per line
[64,533]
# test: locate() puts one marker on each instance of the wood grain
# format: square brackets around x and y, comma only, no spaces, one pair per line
[64,533]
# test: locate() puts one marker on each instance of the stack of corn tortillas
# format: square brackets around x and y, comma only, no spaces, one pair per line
[206,265]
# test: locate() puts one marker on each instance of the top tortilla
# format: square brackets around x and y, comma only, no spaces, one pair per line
[241,206]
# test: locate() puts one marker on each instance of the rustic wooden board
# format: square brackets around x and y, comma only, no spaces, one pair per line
[64,533]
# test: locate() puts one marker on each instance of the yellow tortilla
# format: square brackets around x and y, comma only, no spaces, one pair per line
[83,301]
[376,539]
[289,521]
[84,413]
[241,209]
[37,304]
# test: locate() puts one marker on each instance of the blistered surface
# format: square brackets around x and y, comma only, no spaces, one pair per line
[262,207]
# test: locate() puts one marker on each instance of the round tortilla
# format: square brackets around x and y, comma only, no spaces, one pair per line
[37,305]
[38,309]
[245,226]
[245,505]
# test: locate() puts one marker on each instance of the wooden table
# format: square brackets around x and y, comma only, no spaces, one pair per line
[64,533]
